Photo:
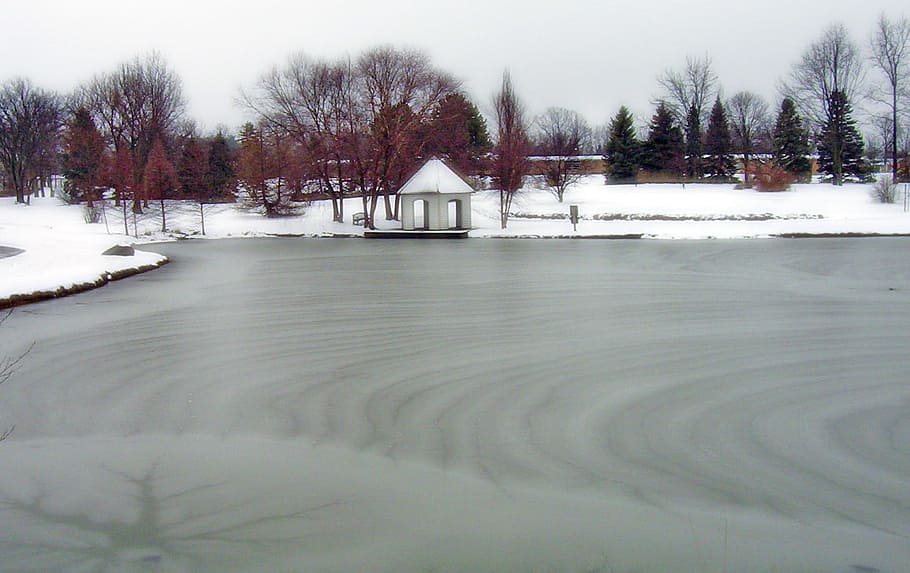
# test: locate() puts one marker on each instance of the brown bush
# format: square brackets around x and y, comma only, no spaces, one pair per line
[903,170]
[658,177]
[772,178]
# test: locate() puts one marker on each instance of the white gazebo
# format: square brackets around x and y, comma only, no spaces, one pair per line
[435,199]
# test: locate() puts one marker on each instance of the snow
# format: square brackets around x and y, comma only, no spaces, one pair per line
[62,251]
[700,211]
[435,177]
[59,251]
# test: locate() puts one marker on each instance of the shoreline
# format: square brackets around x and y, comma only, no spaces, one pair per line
[22,299]
[106,277]
[47,250]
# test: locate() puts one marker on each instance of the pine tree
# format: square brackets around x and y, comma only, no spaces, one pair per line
[718,145]
[694,167]
[459,133]
[83,157]
[791,141]
[192,169]
[622,152]
[220,175]
[840,147]
[663,151]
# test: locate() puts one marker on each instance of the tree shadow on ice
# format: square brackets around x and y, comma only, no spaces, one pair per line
[143,526]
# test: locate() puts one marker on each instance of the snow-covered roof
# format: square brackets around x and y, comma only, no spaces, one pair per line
[435,177]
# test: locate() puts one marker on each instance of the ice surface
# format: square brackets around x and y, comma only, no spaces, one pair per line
[481,405]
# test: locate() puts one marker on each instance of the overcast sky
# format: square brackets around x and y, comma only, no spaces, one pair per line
[583,55]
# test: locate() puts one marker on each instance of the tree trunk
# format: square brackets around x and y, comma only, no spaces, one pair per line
[503,209]
[367,218]
[374,202]
[126,225]
[838,163]
[340,194]
[163,217]
[746,168]
[894,136]
[389,215]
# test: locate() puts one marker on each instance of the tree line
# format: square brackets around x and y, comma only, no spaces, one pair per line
[816,113]
[357,126]
[125,130]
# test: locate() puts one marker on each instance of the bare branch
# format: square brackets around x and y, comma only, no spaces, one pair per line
[561,135]
[693,86]
[890,49]
[830,64]
[512,144]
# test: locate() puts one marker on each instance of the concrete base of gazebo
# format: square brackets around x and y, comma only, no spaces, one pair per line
[416,234]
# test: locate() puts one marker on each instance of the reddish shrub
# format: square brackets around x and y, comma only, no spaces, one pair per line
[772,178]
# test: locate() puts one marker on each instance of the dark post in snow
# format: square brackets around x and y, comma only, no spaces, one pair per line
[573,216]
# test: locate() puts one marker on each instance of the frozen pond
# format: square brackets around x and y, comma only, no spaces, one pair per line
[481,405]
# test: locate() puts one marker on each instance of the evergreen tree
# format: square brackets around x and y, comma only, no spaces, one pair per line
[622,150]
[221,171]
[840,147]
[83,157]
[791,141]
[694,167]
[663,151]
[718,145]
[192,169]
[459,133]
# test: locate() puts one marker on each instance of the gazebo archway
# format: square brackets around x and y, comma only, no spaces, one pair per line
[456,214]
[421,214]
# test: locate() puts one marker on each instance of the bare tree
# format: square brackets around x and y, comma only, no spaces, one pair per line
[399,90]
[879,137]
[890,52]
[831,64]
[561,136]
[138,103]
[264,166]
[748,118]
[690,88]
[30,122]
[299,100]
[359,122]
[512,144]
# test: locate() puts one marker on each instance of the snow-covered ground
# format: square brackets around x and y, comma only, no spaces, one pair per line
[694,211]
[61,252]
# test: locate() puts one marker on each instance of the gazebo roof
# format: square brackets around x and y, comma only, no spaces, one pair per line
[435,177]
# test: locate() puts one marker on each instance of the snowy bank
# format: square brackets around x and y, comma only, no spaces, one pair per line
[54,253]
[62,254]
[693,211]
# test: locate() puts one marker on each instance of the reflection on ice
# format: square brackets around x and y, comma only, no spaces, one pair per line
[485,406]
[130,504]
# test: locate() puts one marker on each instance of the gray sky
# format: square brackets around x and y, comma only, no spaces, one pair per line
[583,55]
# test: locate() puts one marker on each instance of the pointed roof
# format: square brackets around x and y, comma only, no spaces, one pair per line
[435,177]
